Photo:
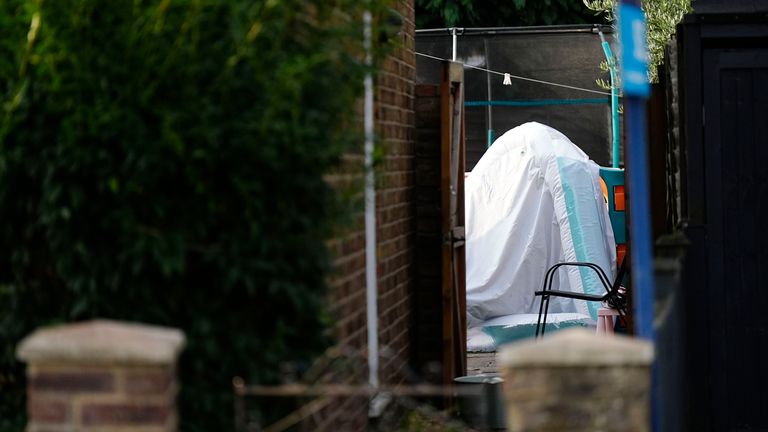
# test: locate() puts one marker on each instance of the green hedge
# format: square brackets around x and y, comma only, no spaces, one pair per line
[162,161]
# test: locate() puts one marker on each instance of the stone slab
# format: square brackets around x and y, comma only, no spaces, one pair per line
[102,342]
[577,347]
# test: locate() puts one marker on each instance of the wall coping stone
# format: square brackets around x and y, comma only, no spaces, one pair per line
[102,342]
[577,348]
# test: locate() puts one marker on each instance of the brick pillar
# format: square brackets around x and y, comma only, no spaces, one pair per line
[101,375]
[575,381]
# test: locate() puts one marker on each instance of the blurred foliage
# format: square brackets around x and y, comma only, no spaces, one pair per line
[162,161]
[425,420]
[500,13]
[661,16]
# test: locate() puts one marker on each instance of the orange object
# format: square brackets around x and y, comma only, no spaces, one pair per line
[621,252]
[604,188]
[618,198]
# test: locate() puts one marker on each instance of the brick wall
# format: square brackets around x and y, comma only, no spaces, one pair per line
[395,223]
[394,96]
[395,211]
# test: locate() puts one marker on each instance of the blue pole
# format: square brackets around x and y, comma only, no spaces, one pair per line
[640,221]
[614,99]
[634,62]
[640,234]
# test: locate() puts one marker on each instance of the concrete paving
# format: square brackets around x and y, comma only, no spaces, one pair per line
[481,362]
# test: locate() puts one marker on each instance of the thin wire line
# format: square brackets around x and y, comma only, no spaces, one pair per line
[520,77]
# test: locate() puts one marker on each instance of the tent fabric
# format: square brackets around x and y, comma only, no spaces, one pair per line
[533,200]
[511,328]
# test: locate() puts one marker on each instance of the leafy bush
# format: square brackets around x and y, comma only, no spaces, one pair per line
[500,13]
[662,17]
[162,161]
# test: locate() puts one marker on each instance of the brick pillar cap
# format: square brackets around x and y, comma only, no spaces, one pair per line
[577,347]
[102,342]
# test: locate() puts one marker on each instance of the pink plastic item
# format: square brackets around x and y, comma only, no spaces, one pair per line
[605,320]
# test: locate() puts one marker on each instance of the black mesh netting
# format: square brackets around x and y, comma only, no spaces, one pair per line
[567,55]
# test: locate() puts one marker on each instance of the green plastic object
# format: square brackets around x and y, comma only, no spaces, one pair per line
[507,334]
[615,177]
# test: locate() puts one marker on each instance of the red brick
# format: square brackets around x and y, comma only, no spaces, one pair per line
[72,382]
[116,414]
[44,410]
[147,383]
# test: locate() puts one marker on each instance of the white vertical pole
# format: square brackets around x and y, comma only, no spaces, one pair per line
[371,290]
[453,37]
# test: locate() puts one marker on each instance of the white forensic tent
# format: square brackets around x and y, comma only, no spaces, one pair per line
[533,200]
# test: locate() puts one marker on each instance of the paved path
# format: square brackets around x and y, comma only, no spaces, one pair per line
[478,363]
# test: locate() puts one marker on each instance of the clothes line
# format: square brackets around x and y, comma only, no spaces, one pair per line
[508,76]
[536,102]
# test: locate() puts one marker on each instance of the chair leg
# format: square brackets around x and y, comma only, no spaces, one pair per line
[622,316]
[544,324]
[605,321]
[600,329]
[538,321]
[608,323]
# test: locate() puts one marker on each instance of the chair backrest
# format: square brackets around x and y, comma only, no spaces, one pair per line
[616,298]
[620,275]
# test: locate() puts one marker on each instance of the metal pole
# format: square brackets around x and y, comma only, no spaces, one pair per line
[614,98]
[489,112]
[453,37]
[371,290]
[634,62]
[640,221]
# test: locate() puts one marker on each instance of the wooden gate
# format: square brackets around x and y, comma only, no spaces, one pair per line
[452,185]
[724,88]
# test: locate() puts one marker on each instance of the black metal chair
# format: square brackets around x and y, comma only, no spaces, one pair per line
[614,296]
